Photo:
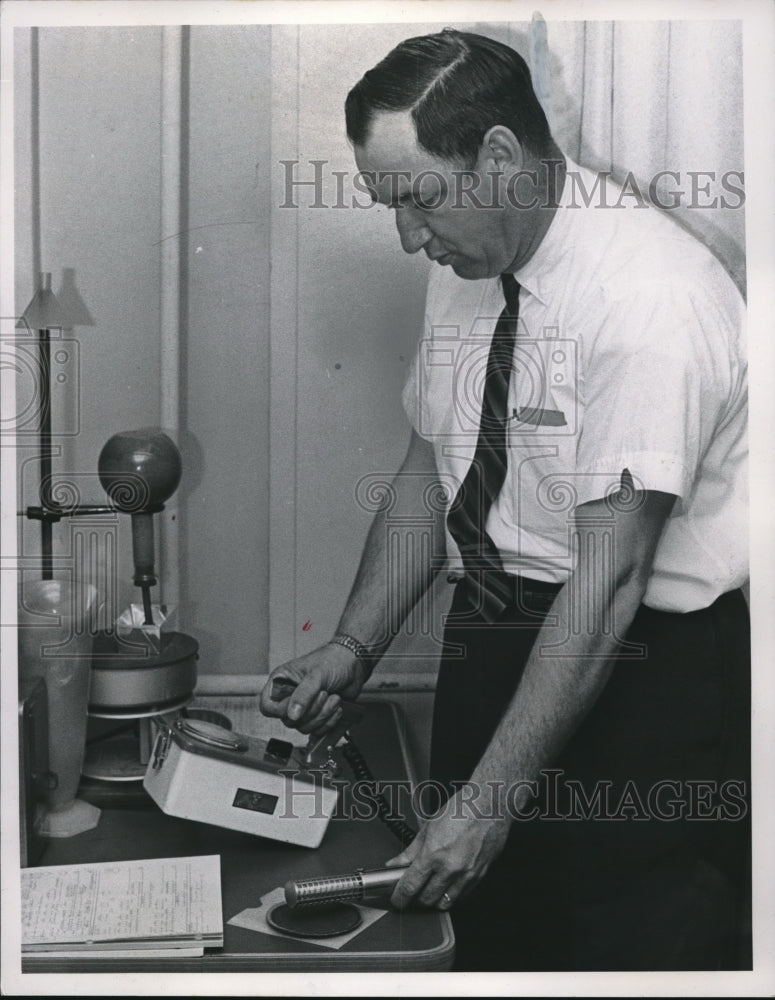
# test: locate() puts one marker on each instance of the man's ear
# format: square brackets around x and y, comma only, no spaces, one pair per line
[500,151]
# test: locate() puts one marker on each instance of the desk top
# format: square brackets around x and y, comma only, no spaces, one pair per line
[414,941]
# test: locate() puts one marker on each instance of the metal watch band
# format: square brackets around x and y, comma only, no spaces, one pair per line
[351,643]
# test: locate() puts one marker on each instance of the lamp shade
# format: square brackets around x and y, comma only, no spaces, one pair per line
[44,309]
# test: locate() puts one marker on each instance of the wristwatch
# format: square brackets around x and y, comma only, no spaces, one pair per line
[350,642]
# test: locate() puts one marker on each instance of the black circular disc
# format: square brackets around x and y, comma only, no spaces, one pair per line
[314,921]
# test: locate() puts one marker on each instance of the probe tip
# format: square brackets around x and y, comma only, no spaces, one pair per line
[291,896]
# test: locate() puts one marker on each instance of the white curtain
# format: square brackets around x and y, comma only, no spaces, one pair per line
[653,96]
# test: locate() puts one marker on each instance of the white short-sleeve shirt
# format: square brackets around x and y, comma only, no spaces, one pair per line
[630,355]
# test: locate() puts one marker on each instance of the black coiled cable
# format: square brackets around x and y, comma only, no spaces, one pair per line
[362,772]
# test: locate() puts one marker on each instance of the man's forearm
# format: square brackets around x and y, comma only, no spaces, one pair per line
[400,557]
[391,577]
[555,692]
[455,848]
[614,541]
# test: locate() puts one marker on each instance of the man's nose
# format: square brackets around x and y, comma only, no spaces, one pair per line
[413,230]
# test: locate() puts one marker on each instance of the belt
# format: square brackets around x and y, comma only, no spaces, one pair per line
[534,595]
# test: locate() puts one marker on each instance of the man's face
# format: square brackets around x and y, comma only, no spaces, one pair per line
[433,213]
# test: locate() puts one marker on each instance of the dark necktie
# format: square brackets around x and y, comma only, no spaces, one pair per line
[488,589]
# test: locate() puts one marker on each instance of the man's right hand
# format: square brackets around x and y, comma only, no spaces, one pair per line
[321,678]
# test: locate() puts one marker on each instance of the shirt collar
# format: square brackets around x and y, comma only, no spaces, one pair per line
[538,274]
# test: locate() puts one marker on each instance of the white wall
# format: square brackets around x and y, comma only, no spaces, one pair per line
[99,123]
[225,512]
[99,153]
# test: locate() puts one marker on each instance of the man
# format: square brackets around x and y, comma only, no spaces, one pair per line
[581,394]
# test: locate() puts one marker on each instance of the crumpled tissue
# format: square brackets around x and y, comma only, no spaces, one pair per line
[132,620]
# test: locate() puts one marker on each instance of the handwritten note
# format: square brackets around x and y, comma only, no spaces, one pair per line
[164,899]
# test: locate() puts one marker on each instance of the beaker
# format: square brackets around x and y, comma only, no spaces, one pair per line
[55,643]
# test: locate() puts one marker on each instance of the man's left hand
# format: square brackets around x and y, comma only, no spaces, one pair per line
[450,854]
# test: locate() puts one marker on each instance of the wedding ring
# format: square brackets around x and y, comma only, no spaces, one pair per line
[447,900]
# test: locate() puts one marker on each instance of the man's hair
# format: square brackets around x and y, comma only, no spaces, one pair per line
[457,85]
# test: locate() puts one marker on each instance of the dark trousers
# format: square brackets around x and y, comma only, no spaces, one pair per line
[637,855]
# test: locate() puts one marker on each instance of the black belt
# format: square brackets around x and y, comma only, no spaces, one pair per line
[534,595]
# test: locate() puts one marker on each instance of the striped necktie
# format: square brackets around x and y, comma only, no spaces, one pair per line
[488,589]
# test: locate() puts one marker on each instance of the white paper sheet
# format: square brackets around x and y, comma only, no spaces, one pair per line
[160,901]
